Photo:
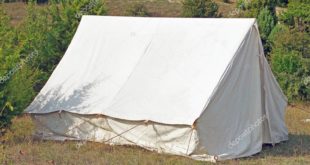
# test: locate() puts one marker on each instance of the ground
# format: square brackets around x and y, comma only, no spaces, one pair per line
[19,147]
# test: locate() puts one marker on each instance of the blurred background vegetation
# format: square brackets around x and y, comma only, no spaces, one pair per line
[47,27]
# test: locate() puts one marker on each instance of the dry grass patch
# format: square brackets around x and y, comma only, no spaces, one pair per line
[16,11]
[156,8]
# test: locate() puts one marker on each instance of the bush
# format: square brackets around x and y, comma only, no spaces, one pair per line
[199,8]
[8,59]
[297,15]
[243,4]
[289,62]
[254,7]
[17,94]
[30,52]
[292,74]
[282,3]
[266,22]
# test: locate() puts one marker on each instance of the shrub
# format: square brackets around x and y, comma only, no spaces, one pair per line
[47,32]
[199,8]
[282,3]
[254,7]
[261,4]
[297,15]
[289,61]
[291,74]
[8,59]
[266,22]
[17,94]
[243,4]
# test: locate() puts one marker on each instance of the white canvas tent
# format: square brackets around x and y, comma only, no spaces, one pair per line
[200,88]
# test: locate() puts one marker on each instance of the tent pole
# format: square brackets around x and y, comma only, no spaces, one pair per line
[190,138]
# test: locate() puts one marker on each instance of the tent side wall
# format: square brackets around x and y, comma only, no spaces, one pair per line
[99,128]
[242,115]
[170,139]
[274,104]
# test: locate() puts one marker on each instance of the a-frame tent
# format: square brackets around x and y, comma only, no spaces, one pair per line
[195,87]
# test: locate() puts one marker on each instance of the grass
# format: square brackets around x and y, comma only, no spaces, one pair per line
[159,8]
[16,11]
[19,147]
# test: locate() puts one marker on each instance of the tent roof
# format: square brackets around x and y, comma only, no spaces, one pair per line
[159,69]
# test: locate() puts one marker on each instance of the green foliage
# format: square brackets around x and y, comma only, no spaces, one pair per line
[297,14]
[286,62]
[8,60]
[252,8]
[261,4]
[289,61]
[266,23]
[243,4]
[199,8]
[264,11]
[282,3]
[17,94]
[292,74]
[30,52]
[287,45]
[137,9]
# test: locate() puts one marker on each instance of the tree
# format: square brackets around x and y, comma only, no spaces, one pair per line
[30,52]
[289,61]
[8,59]
[266,22]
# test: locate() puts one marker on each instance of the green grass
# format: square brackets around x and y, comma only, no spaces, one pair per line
[19,147]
